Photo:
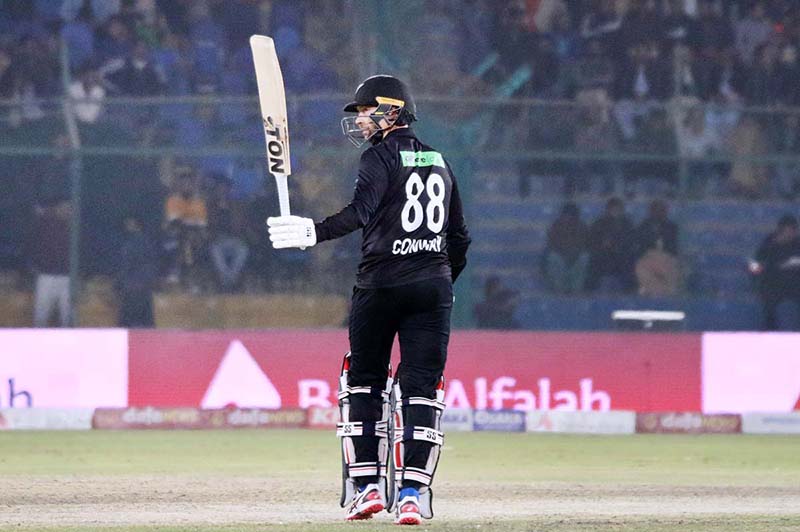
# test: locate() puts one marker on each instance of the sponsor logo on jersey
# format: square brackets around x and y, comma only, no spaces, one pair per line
[414,245]
[422,158]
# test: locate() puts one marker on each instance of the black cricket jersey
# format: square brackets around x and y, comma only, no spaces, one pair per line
[406,200]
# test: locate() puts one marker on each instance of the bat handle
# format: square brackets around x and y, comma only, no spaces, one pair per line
[283,194]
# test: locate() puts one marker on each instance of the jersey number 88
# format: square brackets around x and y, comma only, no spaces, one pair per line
[412,215]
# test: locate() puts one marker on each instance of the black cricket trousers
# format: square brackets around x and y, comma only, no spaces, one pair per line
[419,314]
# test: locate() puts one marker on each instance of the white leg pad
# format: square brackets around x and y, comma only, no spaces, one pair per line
[348,430]
[403,433]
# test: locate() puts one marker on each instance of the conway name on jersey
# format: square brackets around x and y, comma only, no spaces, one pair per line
[406,200]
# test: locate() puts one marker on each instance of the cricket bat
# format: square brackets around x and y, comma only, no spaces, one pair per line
[272,98]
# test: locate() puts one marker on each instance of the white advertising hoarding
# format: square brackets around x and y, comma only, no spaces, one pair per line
[590,422]
[771,423]
[46,418]
[63,368]
[751,372]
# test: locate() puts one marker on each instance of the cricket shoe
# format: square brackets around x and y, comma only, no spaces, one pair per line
[368,501]
[408,508]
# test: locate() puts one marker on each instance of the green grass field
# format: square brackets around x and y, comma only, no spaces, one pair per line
[289,481]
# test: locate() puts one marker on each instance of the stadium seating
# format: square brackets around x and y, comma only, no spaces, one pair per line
[716,237]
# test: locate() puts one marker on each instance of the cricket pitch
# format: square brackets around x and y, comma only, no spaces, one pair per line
[289,480]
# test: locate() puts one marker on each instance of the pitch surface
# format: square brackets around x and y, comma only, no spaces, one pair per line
[289,480]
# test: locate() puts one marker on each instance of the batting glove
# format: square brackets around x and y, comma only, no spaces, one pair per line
[291,232]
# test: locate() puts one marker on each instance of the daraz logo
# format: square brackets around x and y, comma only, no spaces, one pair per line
[240,381]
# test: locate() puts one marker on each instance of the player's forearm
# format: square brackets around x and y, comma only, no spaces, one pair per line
[342,223]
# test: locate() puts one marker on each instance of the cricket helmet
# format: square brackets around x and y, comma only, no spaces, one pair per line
[382,89]
[389,94]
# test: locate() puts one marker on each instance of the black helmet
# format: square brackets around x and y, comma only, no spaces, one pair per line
[383,89]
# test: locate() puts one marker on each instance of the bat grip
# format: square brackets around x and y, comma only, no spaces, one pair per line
[283,194]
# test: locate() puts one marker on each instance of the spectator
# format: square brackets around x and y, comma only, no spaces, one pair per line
[643,22]
[304,72]
[496,310]
[683,72]
[114,41]
[105,10]
[679,27]
[594,70]
[31,73]
[602,21]
[566,256]
[777,268]
[36,66]
[749,178]
[764,84]
[49,260]
[137,276]
[176,15]
[171,60]
[514,40]
[137,76]
[88,93]
[548,15]
[228,249]
[787,174]
[789,75]
[696,141]
[239,20]
[712,29]
[186,219]
[780,11]
[645,73]
[657,231]
[644,78]
[565,39]
[208,47]
[595,133]
[752,31]
[731,83]
[657,268]
[79,37]
[611,249]
[545,68]
[6,74]
[654,137]
[706,73]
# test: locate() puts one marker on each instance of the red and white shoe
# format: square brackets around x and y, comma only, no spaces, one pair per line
[408,511]
[367,502]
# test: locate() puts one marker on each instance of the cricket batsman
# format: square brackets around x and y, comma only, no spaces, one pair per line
[414,245]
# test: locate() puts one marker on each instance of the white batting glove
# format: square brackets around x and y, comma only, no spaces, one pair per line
[291,232]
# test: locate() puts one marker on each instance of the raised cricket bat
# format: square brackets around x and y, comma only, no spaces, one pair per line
[272,98]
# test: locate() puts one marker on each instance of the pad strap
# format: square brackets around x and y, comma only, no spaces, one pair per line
[427,434]
[363,428]
[414,473]
[366,469]
[346,391]
[423,401]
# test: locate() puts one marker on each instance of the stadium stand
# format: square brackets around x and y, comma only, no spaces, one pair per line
[717,236]
[536,103]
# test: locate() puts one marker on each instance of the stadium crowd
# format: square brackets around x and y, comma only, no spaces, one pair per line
[686,84]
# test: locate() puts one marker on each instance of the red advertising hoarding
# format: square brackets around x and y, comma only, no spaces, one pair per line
[485,370]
